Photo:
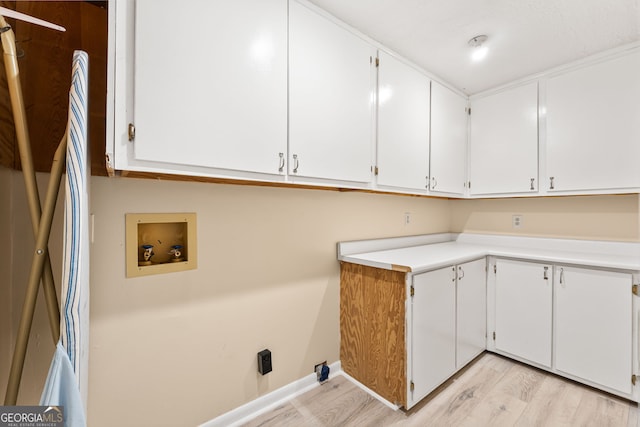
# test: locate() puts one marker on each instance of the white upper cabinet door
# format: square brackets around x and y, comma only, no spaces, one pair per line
[523,310]
[331,88]
[214,94]
[448,140]
[593,127]
[504,142]
[403,125]
[593,326]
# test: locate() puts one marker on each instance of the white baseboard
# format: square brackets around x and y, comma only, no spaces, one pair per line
[371,392]
[269,401]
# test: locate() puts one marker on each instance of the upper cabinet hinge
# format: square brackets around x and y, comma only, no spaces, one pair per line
[634,289]
[412,291]
[377,62]
[131,129]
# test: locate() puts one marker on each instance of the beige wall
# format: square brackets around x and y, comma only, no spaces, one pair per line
[16,229]
[180,349]
[579,217]
[5,278]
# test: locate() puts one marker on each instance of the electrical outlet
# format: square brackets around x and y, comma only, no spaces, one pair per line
[264,362]
[407,218]
[318,368]
[516,221]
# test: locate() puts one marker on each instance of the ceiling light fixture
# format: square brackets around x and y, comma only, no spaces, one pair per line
[479,49]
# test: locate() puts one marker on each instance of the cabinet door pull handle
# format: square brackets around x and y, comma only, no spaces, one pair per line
[281,167]
[532,181]
[131,131]
[453,276]
[295,163]
[551,186]
[546,273]
[434,182]
[562,277]
[460,273]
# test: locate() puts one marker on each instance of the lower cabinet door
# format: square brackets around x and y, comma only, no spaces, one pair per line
[471,325]
[523,310]
[593,326]
[433,328]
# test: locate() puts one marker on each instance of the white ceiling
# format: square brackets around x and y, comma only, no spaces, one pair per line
[525,36]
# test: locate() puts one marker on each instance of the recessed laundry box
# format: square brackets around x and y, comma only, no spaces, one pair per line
[158,243]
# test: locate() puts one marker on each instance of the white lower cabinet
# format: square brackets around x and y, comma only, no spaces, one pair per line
[593,326]
[447,324]
[523,310]
[471,315]
[404,334]
[433,334]
[577,322]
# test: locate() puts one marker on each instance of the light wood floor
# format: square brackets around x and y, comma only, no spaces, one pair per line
[492,391]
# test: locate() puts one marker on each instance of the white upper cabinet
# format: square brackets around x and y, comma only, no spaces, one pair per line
[215,95]
[504,142]
[593,127]
[280,91]
[403,125]
[448,140]
[331,88]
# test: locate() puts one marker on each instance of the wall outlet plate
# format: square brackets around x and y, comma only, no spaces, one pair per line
[516,221]
[407,218]
[264,362]
[318,369]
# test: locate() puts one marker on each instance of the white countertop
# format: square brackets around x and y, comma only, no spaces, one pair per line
[416,259]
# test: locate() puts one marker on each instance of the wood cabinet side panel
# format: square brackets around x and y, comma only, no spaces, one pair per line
[385,305]
[372,329]
[352,321]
